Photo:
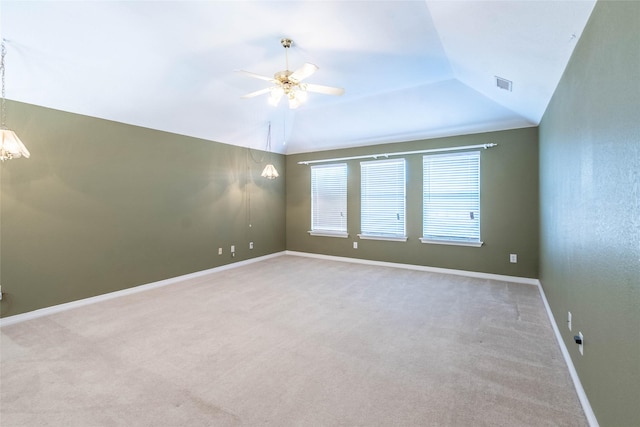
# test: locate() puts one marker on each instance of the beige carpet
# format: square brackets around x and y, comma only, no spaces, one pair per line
[294,341]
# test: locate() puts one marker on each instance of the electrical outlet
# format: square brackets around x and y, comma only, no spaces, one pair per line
[0,293]
[569,320]
[513,258]
[355,245]
[233,248]
[581,345]
[250,245]
[219,251]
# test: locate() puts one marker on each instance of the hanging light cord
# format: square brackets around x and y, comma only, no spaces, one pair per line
[269,139]
[268,148]
[253,157]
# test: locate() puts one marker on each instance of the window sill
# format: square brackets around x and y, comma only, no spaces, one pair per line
[387,238]
[340,234]
[451,242]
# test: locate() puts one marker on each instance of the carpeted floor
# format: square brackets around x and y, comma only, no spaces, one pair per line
[294,341]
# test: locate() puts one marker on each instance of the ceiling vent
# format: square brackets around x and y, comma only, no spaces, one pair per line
[504,83]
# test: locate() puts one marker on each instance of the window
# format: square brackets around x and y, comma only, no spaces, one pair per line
[383,200]
[451,199]
[329,200]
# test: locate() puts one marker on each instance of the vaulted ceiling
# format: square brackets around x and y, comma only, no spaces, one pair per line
[410,69]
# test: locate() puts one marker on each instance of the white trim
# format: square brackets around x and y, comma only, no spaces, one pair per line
[11,320]
[341,234]
[451,242]
[582,395]
[475,274]
[387,238]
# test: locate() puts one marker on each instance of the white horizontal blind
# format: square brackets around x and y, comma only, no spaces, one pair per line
[329,198]
[383,198]
[451,197]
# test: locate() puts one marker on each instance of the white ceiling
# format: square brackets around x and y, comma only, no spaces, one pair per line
[411,69]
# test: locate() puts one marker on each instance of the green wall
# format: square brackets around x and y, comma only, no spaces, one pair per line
[590,209]
[509,207]
[102,206]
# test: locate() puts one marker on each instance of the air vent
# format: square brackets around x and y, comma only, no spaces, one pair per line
[504,83]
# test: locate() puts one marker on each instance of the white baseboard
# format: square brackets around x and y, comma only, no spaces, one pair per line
[11,320]
[475,274]
[584,401]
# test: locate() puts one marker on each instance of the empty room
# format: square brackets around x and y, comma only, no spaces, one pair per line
[308,213]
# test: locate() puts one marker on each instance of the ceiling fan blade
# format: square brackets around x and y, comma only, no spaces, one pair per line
[257,76]
[303,72]
[327,90]
[256,93]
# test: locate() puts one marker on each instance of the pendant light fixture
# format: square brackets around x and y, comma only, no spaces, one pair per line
[10,145]
[269,171]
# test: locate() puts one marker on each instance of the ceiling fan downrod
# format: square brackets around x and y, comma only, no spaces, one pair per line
[286,43]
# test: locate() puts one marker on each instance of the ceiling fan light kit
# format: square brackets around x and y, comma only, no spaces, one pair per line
[289,83]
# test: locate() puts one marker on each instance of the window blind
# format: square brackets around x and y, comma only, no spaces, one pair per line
[329,198]
[451,197]
[383,198]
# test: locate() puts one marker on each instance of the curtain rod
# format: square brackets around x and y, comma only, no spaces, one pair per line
[403,153]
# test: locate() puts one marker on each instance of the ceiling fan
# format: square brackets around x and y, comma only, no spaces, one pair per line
[289,83]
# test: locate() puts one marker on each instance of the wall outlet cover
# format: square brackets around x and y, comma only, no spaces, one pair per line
[581,345]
